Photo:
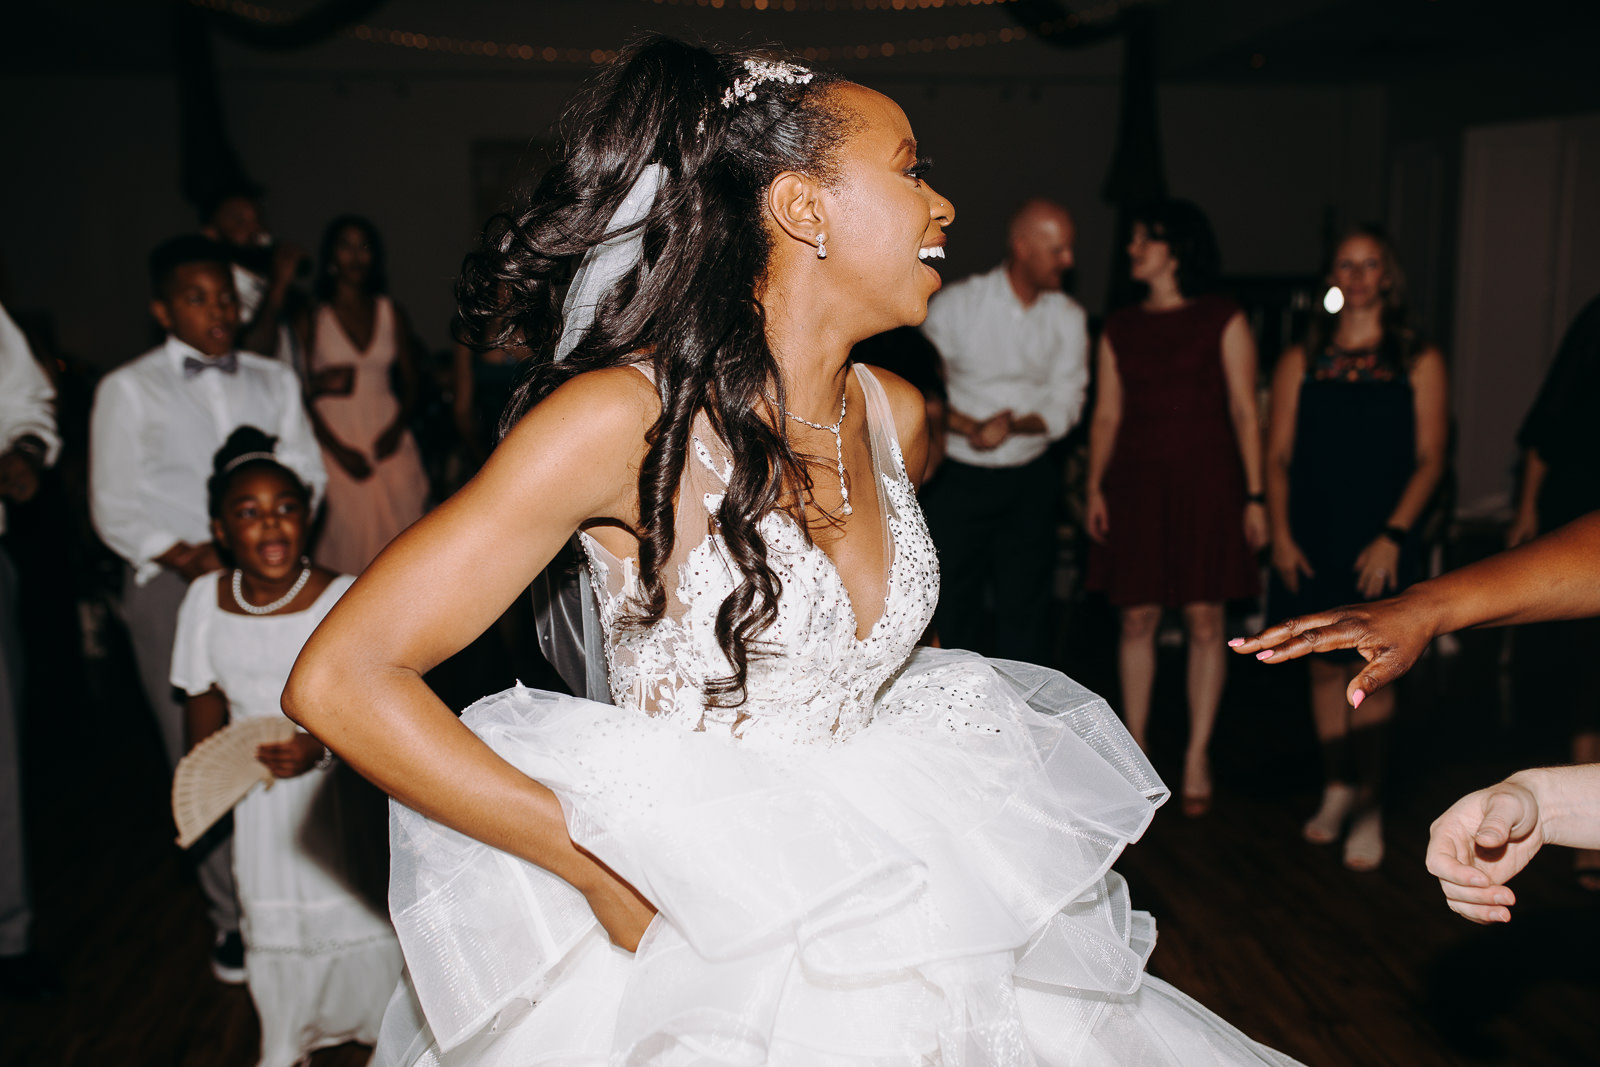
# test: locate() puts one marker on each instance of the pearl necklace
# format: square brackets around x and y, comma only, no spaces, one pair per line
[268,609]
[838,444]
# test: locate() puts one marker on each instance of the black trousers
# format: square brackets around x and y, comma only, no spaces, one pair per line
[994,528]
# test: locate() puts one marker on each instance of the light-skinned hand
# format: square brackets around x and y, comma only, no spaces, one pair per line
[992,432]
[1290,563]
[1257,531]
[1524,528]
[1097,517]
[1479,843]
[1376,567]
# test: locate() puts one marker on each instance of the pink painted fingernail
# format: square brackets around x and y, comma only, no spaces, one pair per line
[1264,655]
[1236,642]
[1356,698]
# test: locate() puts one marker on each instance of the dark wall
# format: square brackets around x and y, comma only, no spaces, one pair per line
[101,186]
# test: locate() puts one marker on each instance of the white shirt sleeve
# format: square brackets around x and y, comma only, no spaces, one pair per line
[943,329]
[297,444]
[191,655]
[1069,378]
[27,399]
[116,462]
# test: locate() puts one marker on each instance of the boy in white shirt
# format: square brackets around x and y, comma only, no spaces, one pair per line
[156,423]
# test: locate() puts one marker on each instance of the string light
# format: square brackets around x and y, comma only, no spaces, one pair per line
[833,5]
[433,42]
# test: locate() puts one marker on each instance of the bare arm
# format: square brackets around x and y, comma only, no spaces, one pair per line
[1281,419]
[1103,435]
[1239,370]
[317,383]
[407,356]
[1431,400]
[1287,559]
[1556,576]
[1378,565]
[262,334]
[358,685]
[204,715]
[1525,526]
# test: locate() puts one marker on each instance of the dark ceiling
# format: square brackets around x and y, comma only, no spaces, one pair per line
[1384,41]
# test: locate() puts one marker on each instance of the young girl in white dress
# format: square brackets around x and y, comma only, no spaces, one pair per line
[320,955]
[792,837]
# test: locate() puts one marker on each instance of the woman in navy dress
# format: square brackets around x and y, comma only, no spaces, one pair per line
[1356,447]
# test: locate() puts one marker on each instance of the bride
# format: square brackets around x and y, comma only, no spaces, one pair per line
[791,837]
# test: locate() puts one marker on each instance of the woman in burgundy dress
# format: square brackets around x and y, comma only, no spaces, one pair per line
[1175,493]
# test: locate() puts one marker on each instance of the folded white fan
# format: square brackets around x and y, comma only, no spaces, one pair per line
[219,771]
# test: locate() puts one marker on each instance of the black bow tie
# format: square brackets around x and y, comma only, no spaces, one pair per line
[226,364]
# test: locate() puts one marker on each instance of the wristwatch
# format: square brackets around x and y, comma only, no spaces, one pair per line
[1397,534]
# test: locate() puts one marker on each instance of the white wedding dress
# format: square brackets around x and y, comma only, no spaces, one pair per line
[888,856]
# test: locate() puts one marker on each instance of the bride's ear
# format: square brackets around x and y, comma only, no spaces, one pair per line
[795,204]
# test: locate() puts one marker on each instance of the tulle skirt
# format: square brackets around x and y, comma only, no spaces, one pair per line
[934,891]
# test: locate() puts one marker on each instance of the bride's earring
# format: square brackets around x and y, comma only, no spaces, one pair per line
[822,247]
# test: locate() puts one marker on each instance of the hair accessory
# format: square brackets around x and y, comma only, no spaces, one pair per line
[268,609]
[838,444]
[822,247]
[760,71]
[605,263]
[250,457]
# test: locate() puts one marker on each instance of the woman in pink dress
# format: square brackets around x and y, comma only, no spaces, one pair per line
[358,348]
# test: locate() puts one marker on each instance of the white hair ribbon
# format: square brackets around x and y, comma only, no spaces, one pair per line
[566,612]
[609,260]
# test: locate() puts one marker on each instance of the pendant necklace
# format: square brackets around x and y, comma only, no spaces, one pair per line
[838,444]
[268,609]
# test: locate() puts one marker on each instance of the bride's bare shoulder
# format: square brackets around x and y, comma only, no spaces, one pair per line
[613,405]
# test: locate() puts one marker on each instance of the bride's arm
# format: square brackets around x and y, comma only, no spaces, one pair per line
[358,684]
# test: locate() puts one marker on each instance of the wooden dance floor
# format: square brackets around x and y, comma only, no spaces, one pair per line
[1333,967]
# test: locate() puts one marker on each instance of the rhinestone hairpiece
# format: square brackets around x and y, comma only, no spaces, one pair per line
[758,71]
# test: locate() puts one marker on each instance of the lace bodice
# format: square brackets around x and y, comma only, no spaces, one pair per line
[815,681]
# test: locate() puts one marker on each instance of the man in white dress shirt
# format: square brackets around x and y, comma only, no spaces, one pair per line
[157,421]
[28,444]
[1015,351]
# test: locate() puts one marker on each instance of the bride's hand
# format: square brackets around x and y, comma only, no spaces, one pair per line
[621,910]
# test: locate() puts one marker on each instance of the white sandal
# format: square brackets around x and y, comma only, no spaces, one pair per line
[1324,828]
[1363,849]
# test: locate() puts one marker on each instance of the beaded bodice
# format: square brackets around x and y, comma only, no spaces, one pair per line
[813,680]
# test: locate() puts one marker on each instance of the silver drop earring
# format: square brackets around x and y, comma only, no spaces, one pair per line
[822,247]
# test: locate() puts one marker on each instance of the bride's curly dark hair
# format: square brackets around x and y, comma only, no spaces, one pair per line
[690,307]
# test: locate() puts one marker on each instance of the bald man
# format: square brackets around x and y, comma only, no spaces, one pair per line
[1015,350]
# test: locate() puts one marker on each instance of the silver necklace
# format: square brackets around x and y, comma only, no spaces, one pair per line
[838,443]
[268,609]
